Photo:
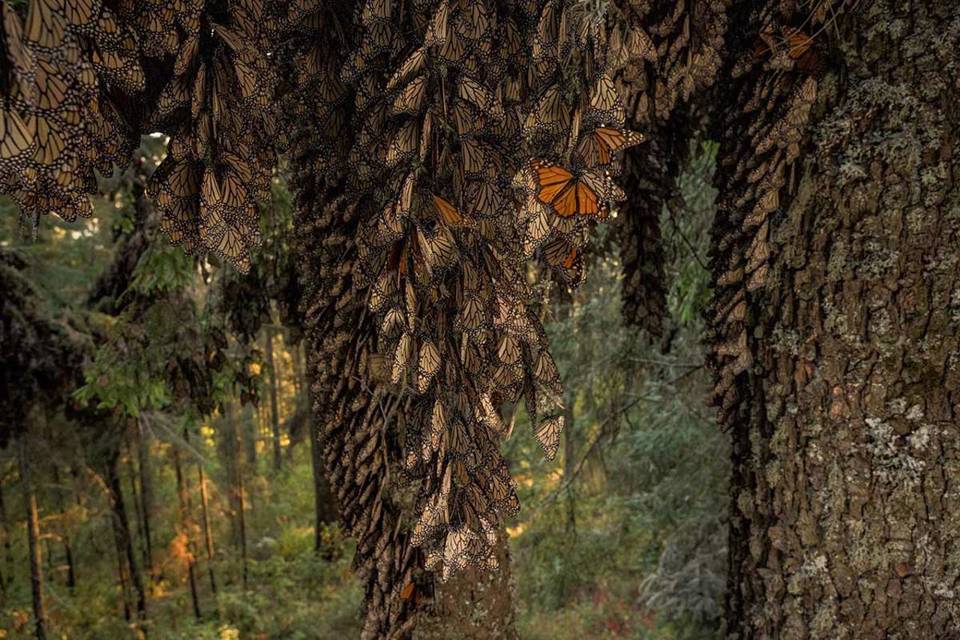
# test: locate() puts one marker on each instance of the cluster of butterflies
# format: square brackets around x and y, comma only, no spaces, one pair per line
[83,79]
[563,196]
[473,161]
[779,89]
[477,134]
[58,63]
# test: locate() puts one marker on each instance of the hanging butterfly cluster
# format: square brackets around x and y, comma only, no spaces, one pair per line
[669,52]
[215,106]
[75,99]
[65,67]
[472,163]
[773,89]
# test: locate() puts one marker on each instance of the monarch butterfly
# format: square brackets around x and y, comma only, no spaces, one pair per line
[605,103]
[404,144]
[50,140]
[475,93]
[598,146]
[545,369]
[18,56]
[551,114]
[486,197]
[16,140]
[436,250]
[438,424]
[51,89]
[401,357]
[548,435]
[412,96]
[437,32]
[412,65]
[393,320]
[509,349]
[585,194]
[45,23]
[565,258]
[538,225]
[473,314]
[474,21]
[474,155]
[428,364]
[447,212]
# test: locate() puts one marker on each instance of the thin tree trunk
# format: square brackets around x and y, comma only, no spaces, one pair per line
[121,566]
[187,527]
[64,532]
[252,433]
[137,535]
[33,543]
[845,519]
[232,444]
[146,496]
[207,536]
[125,539]
[274,410]
[7,576]
[243,526]
[324,503]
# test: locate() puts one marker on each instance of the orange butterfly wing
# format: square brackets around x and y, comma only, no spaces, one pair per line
[448,212]
[587,202]
[566,204]
[552,181]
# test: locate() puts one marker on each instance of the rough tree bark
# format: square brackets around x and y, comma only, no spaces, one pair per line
[846,514]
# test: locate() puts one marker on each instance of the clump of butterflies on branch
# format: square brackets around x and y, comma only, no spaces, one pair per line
[484,136]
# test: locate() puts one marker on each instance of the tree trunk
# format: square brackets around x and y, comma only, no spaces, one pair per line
[274,410]
[137,535]
[7,579]
[251,423]
[124,537]
[121,567]
[187,528]
[146,496]
[64,530]
[33,543]
[231,443]
[324,503]
[207,535]
[473,605]
[242,523]
[845,519]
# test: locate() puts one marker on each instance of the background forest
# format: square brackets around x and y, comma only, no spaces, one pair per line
[173,486]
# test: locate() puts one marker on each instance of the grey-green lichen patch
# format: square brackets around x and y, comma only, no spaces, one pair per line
[892,461]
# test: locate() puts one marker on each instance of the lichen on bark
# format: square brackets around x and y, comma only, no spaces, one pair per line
[846,502]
